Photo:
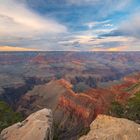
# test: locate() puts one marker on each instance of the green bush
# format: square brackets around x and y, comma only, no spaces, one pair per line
[130,110]
[133,108]
[8,116]
[116,109]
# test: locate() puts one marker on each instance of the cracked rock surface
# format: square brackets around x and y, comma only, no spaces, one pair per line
[38,126]
[111,128]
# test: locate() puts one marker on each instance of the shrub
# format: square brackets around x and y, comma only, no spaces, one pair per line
[8,116]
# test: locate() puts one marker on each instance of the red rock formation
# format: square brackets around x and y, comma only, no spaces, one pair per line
[39,59]
[121,91]
[73,109]
[134,78]
[86,106]
[65,83]
[78,111]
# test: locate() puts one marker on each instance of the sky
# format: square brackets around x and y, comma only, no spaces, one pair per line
[70,25]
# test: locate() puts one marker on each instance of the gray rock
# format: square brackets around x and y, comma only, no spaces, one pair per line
[38,126]
[111,128]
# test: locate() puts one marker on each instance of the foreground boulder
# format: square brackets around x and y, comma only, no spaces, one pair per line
[38,126]
[111,128]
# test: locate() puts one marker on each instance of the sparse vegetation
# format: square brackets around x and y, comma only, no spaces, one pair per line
[130,110]
[131,88]
[8,116]
[116,109]
[84,131]
[133,108]
[56,133]
[80,87]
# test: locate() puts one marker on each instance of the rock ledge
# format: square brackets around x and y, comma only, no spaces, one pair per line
[111,128]
[38,126]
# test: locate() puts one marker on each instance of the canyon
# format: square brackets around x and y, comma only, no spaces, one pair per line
[39,126]
[76,86]
[72,111]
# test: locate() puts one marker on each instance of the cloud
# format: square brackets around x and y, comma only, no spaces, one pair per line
[21,26]
[129,27]
[90,42]
[94,8]
[105,7]
[97,23]
[93,40]
[16,19]
[112,49]
[11,48]
[120,4]
[108,25]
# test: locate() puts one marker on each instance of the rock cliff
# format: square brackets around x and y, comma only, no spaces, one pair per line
[111,128]
[72,111]
[38,126]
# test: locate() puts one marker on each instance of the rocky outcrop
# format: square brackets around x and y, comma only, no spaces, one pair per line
[39,59]
[111,128]
[38,126]
[72,111]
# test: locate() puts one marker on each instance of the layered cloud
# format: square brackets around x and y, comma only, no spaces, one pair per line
[83,25]
[20,26]
[119,3]
[93,43]
[11,48]
[106,7]
[98,23]
[17,19]
[129,27]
